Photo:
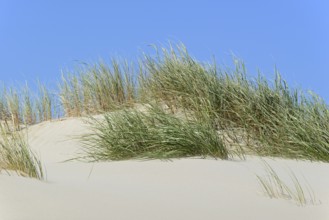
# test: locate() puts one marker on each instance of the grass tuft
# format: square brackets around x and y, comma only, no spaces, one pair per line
[154,134]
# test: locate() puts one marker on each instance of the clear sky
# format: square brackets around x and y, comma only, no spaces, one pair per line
[40,38]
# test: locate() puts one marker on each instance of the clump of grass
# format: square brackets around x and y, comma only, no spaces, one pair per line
[285,122]
[98,88]
[274,187]
[154,134]
[16,156]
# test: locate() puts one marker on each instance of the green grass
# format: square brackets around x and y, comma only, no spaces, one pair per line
[154,134]
[16,156]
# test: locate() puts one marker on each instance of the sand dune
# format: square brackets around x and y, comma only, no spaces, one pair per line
[179,189]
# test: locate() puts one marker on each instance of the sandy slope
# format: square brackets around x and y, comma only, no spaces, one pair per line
[180,189]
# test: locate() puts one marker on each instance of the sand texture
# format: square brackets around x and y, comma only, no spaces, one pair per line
[179,189]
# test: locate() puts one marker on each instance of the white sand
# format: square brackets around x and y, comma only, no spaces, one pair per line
[179,189]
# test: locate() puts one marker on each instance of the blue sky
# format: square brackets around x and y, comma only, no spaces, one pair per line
[38,39]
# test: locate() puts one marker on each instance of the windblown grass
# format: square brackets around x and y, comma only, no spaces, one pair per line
[16,156]
[154,134]
[274,187]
